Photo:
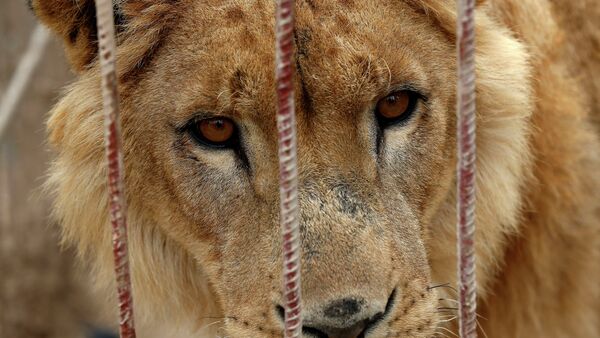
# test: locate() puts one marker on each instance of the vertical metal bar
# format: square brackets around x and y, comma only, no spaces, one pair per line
[288,169]
[22,75]
[6,220]
[114,156]
[466,168]
[6,217]
[6,166]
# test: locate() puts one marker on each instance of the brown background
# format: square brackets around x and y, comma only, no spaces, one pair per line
[39,294]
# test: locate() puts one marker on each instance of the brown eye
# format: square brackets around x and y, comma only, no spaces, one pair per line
[396,107]
[215,132]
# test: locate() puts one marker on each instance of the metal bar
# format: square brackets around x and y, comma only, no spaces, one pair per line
[466,168]
[6,191]
[22,76]
[114,155]
[288,170]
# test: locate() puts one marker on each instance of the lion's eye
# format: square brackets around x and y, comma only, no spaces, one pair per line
[215,132]
[396,107]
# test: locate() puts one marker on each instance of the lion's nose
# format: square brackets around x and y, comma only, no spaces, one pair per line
[345,318]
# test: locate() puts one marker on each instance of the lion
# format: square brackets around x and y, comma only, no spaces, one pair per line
[376,94]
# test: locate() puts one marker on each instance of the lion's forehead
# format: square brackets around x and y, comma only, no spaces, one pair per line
[220,57]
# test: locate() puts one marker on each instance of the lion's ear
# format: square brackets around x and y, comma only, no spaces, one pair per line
[75,22]
[442,12]
[141,26]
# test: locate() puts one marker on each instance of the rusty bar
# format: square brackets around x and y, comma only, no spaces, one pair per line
[114,155]
[466,122]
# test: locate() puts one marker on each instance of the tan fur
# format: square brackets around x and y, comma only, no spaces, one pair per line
[203,226]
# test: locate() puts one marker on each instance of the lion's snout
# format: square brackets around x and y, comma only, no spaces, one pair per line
[353,262]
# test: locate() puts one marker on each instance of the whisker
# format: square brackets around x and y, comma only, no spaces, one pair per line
[448,313]
[451,309]
[449,300]
[448,308]
[211,324]
[481,328]
[449,331]
[448,320]
[445,285]
[447,316]
[441,334]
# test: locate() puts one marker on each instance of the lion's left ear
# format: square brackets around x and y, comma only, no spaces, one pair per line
[442,12]
[140,25]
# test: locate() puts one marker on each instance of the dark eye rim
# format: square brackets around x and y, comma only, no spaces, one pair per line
[414,98]
[192,130]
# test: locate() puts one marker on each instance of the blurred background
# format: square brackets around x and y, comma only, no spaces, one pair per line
[41,295]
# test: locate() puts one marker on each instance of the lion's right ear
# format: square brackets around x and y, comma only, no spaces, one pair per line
[75,22]
[141,26]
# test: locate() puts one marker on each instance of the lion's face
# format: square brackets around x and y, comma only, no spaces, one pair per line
[376,193]
[367,187]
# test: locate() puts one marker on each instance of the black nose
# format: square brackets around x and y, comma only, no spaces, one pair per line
[343,308]
[344,318]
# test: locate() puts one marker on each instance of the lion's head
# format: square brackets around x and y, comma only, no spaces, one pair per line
[375,93]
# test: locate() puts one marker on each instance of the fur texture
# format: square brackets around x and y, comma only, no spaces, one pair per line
[377,211]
